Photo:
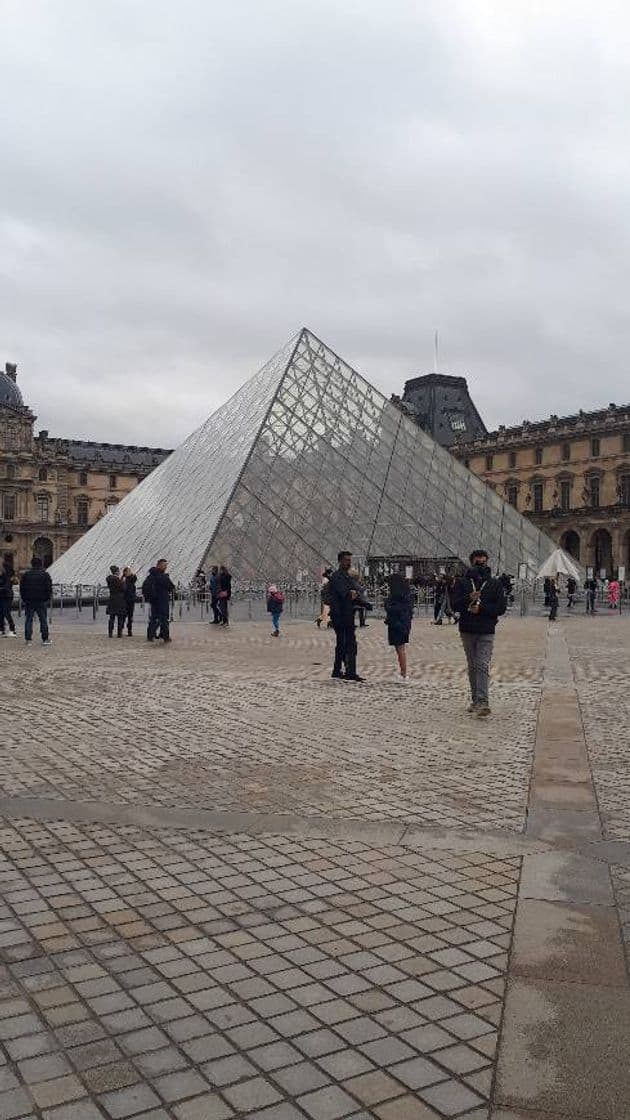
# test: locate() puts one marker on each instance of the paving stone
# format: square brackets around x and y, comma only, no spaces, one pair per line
[372,1088]
[300,1078]
[59,1089]
[406,1108]
[450,1097]
[418,1072]
[207,1107]
[225,1071]
[15,1103]
[177,1086]
[329,1103]
[129,1101]
[248,1095]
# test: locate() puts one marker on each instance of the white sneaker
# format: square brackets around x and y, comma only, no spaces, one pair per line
[47,643]
[401,679]
[11,634]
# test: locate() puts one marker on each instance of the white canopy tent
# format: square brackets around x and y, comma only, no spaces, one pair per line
[560,563]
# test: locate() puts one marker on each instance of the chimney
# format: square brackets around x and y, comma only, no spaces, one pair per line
[10,368]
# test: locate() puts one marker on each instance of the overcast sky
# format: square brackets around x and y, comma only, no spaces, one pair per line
[183,185]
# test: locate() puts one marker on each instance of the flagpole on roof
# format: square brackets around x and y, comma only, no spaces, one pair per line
[436,351]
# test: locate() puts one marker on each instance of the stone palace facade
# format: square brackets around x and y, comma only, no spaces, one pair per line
[570,475]
[52,490]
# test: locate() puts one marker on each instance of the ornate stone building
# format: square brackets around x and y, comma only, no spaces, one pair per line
[52,490]
[442,406]
[570,475]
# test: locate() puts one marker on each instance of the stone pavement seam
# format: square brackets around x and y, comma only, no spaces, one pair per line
[566,1020]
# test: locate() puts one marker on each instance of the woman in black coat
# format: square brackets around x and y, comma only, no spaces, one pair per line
[116,607]
[398,616]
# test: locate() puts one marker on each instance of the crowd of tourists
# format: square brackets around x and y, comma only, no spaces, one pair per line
[474,601]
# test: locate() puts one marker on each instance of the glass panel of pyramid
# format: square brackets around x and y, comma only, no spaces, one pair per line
[307,458]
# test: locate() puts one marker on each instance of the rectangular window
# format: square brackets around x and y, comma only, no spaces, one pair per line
[538,456]
[626,442]
[512,459]
[8,507]
[112,481]
[489,462]
[538,497]
[82,512]
[566,452]
[593,487]
[624,490]
[512,496]
[83,478]
[595,447]
[42,509]
[565,494]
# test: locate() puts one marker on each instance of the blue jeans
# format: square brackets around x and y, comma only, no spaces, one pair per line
[275,619]
[30,610]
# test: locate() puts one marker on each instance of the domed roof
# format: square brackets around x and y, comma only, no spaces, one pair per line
[10,395]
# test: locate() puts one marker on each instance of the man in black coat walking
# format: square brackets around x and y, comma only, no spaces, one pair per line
[158,589]
[343,596]
[36,593]
[478,599]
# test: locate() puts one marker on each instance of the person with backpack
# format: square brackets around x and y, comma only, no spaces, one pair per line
[116,607]
[398,616]
[157,590]
[7,579]
[36,593]
[479,600]
[129,580]
[275,604]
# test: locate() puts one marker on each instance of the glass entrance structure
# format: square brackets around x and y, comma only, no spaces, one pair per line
[306,458]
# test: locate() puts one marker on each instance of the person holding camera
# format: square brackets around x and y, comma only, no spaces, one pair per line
[344,596]
[479,599]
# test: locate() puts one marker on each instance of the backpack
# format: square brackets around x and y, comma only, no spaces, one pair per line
[147,588]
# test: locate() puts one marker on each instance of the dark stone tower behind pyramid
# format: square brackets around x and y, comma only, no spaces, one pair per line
[443,407]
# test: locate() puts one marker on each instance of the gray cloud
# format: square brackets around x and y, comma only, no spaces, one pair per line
[184,186]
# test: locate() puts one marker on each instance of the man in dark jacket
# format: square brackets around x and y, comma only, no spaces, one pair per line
[343,595]
[129,580]
[7,579]
[116,607]
[35,593]
[158,592]
[225,594]
[214,585]
[479,600]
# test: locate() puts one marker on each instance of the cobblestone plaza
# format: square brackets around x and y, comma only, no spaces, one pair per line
[231,887]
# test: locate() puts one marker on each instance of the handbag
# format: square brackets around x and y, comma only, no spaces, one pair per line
[223,594]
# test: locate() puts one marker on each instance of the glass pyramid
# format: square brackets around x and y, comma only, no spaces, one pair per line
[305,459]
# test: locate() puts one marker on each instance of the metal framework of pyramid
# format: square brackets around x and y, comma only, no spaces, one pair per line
[306,458]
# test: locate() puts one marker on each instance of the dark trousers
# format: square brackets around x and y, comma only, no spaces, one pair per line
[346,647]
[553,613]
[224,611]
[158,620]
[216,613]
[30,610]
[361,614]
[117,616]
[129,609]
[5,616]
[590,602]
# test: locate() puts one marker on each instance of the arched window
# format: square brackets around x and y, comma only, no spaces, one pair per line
[43,474]
[11,470]
[83,478]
